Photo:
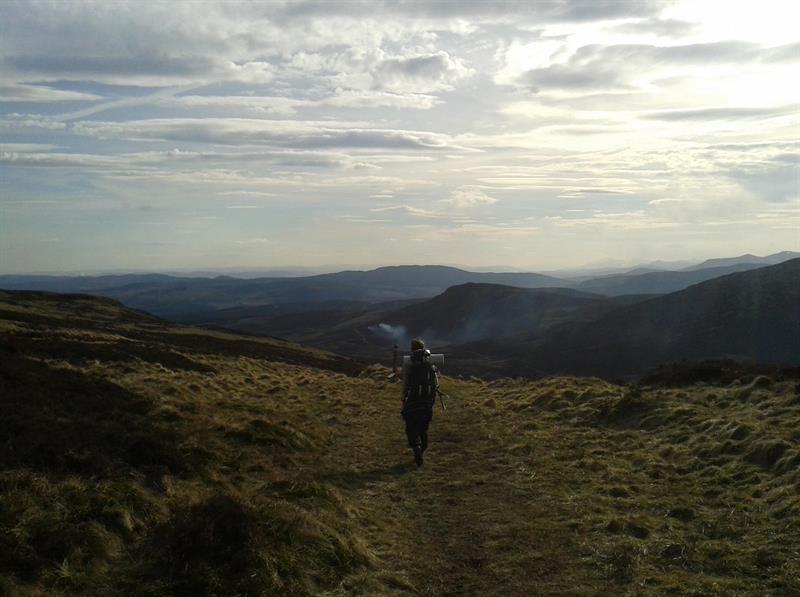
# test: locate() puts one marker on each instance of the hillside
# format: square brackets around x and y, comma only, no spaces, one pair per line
[748,315]
[151,459]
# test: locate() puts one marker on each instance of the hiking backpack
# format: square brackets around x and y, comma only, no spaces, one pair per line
[421,379]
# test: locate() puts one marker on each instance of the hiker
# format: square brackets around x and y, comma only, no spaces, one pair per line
[420,384]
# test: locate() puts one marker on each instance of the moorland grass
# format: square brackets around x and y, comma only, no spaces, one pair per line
[225,471]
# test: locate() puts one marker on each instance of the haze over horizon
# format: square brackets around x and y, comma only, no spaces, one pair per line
[179,136]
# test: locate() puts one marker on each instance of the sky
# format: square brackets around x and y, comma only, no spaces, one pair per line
[536,135]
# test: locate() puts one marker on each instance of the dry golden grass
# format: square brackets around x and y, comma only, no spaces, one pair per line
[137,463]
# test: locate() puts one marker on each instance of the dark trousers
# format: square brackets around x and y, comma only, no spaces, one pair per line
[417,422]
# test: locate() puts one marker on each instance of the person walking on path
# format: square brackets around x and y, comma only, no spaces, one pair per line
[420,386]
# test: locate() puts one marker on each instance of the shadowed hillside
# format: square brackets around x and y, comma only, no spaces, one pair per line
[464,313]
[142,458]
[749,315]
[474,311]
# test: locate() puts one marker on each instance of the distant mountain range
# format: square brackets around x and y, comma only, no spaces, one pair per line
[186,298]
[172,297]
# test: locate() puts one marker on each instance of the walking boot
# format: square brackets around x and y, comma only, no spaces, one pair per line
[418,455]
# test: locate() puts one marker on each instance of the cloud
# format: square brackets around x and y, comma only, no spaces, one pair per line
[276,133]
[287,106]
[170,44]
[255,241]
[565,76]
[409,210]
[42,94]
[132,43]
[26,147]
[362,220]
[621,66]
[656,26]
[541,11]
[726,113]
[286,158]
[667,201]
[70,160]
[420,73]
[777,180]
[267,104]
[145,68]
[635,220]
[352,98]
[21,123]
[784,53]
[32,155]
[469,196]
[247,194]
[131,102]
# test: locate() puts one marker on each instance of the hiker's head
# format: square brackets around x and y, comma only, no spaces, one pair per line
[417,344]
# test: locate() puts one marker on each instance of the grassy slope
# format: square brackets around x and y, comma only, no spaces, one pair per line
[140,463]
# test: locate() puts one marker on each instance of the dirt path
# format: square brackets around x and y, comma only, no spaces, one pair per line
[480,517]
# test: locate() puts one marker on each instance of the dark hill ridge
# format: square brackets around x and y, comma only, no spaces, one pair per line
[436,276]
[752,315]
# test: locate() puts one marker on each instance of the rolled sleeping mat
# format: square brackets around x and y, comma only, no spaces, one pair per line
[436,359]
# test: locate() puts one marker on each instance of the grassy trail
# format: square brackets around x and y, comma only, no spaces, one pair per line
[477,518]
